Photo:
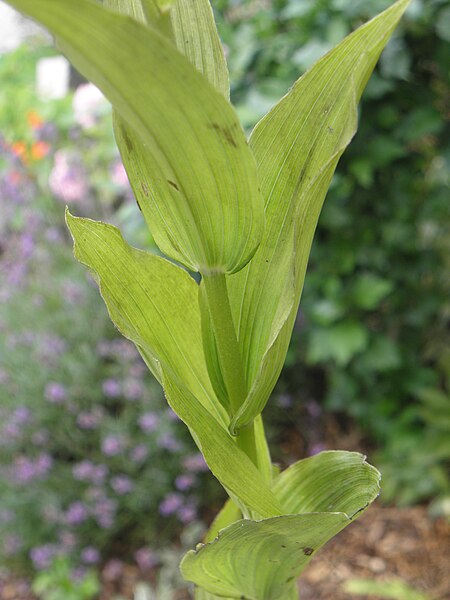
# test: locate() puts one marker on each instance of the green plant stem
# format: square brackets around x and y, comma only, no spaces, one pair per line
[229,354]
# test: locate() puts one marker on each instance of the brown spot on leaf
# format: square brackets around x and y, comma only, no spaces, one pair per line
[127,140]
[225,133]
[144,189]
[173,184]
[307,551]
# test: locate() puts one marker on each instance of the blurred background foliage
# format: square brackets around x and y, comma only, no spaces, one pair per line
[93,466]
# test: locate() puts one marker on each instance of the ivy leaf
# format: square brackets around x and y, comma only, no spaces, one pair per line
[203,206]
[297,146]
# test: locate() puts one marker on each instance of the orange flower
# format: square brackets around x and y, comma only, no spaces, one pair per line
[34,120]
[20,150]
[39,150]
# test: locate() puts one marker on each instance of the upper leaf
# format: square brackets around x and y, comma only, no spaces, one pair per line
[203,205]
[297,146]
[141,10]
[196,37]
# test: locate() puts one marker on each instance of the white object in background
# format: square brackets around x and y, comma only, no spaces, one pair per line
[52,78]
[15,29]
[142,591]
[10,35]
[88,105]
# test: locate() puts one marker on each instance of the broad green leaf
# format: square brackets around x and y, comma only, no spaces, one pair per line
[260,560]
[332,481]
[202,594]
[203,206]
[273,359]
[154,303]
[196,37]
[297,146]
[140,10]
[138,289]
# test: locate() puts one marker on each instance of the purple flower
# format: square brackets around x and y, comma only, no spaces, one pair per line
[73,292]
[99,473]
[43,464]
[122,484]
[284,400]
[67,179]
[168,442]
[148,422]
[171,504]
[313,408]
[139,453]
[132,389]
[50,349]
[42,556]
[89,420]
[55,392]
[184,482]
[104,512]
[195,463]
[187,513]
[11,544]
[146,558]
[11,432]
[113,445]
[87,471]
[26,245]
[172,415]
[90,555]
[83,470]
[76,513]
[24,469]
[316,448]
[21,415]
[111,388]
[78,574]
[16,274]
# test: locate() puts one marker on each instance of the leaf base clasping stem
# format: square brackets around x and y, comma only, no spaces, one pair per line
[229,354]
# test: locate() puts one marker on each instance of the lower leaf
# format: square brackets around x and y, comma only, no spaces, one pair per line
[261,560]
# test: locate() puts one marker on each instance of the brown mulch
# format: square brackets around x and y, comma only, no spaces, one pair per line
[385,543]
